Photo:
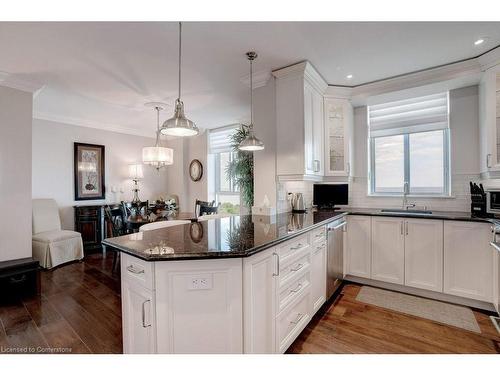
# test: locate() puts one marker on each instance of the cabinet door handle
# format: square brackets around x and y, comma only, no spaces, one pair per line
[297,247]
[488,161]
[133,270]
[406,224]
[144,314]
[401,227]
[277,273]
[297,288]
[298,267]
[297,319]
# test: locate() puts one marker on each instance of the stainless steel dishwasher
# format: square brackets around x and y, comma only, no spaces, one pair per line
[335,255]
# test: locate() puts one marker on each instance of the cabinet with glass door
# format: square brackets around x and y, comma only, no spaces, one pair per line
[338,129]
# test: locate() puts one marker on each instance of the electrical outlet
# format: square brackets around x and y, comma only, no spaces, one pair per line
[200,282]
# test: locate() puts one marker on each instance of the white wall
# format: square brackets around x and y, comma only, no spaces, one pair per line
[15,173]
[52,162]
[178,180]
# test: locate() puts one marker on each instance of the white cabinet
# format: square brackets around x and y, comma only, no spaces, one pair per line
[358,246]
[424,254]
[318,274]
[299,123]
[468,260]
[338,121]
[388,249]
[489,120]
[199,306]
[259,302]
[138,309]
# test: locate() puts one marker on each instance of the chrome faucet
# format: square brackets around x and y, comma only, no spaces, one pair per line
[406,206]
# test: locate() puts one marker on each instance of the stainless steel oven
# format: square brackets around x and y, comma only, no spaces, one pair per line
[493,201]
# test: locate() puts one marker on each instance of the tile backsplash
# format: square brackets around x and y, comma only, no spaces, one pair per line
[358,197]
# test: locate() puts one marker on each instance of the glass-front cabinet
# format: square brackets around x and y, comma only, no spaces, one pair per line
[489,113]
[338,127]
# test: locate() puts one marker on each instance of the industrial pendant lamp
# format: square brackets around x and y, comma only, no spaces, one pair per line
[157,156]
[179,125]
[251,142]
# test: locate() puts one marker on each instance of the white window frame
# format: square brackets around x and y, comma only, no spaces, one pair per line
[407,167]
[234,191]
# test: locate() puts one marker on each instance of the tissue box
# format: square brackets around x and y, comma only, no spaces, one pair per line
[261,210]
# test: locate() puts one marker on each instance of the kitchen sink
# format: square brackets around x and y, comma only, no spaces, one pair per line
[403,211]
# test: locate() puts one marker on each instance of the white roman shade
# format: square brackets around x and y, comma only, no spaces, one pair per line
[425,113]
[218,139]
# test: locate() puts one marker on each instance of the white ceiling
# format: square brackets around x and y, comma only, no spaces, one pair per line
[101,74]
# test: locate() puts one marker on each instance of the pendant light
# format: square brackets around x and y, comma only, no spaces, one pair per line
[157,156]
[251,143]
[179,125]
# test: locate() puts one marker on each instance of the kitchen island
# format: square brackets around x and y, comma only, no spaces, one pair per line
[241,284]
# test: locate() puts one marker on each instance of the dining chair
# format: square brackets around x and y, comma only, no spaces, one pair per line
[51,245]
[114,221]
[205,208]
[162,224]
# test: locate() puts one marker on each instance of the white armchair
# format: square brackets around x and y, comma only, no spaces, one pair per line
[53,246]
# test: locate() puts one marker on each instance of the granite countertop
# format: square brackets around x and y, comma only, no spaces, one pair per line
[234,236]
[438,215]
[245,235]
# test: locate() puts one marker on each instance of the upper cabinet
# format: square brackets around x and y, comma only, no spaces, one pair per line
[489,115]
[338,119]
[299,122]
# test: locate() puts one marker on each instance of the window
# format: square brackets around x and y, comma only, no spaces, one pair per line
[225,191]
[409,146]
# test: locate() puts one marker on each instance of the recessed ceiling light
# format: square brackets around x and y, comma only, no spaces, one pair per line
[349,76]
[480,41]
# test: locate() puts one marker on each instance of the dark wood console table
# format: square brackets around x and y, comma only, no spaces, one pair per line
[89,221]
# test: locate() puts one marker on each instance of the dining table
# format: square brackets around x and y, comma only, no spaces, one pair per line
[136,221]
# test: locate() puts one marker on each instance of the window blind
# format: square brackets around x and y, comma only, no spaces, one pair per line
[425,113]
[219,141]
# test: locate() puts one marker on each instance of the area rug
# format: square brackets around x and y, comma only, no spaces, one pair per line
[442,312]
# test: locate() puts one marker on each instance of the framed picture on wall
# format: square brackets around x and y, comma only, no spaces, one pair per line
[89,171]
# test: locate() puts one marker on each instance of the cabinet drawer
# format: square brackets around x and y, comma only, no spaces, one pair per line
[292,321]
[318,235]
[293,246]
[288,293]
[137,271]
[294,265]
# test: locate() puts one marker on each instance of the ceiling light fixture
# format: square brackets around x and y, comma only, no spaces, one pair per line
[157,156]
[251,143]
[179,125]
[349,76]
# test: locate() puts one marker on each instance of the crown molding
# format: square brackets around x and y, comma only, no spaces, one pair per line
[68,120]
[10,80]
[490,58]
[338,92]
[469,68]
[303,69]
[260,79]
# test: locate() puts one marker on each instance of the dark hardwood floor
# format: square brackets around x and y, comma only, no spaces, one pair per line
[79,311]
[348,326]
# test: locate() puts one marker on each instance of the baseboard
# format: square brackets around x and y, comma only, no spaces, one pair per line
[486,306]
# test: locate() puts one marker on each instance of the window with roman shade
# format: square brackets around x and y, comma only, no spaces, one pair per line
[409,146]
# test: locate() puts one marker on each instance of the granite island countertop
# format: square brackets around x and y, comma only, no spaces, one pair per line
[245,235]
[228,237]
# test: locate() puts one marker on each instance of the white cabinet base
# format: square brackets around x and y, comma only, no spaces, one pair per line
[423,293]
